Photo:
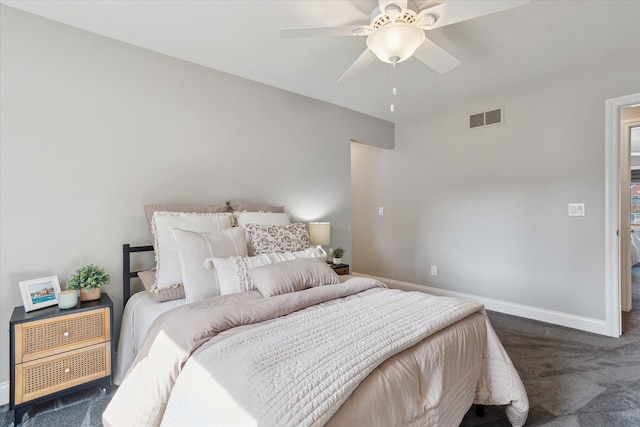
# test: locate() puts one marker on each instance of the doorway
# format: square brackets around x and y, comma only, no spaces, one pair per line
[613,237]
[629,203]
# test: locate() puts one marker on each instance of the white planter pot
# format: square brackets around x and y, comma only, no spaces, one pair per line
[337,260]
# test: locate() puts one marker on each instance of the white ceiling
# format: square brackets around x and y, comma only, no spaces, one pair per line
[525,46]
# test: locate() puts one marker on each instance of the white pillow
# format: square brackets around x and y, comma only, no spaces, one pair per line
[168,271]
[233,274]
[262,218]
[292,276]
[195,249]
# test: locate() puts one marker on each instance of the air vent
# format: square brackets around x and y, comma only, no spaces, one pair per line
[476,120]
[486,118]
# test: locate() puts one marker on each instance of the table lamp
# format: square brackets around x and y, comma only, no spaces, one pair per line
[319,235]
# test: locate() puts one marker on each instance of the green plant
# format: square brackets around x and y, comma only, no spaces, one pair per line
[337,252]
[89,276]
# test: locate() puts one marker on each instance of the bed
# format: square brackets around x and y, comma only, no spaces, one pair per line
[300,345]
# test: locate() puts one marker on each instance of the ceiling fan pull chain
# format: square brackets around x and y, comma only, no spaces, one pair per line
[394,90]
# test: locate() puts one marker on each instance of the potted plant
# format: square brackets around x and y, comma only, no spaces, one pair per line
[88,280]
[337,253]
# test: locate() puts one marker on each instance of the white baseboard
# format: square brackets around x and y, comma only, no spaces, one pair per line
[4,393]
[587,324]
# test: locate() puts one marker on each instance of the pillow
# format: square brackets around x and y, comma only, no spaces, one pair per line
[233,274]
[150,209]
[277,238]
[148,278]
[262,218]
[194,249]
[168,271]
[242,205]
[292,276]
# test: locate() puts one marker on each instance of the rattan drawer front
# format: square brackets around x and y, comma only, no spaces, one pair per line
[50,336]
[51,374]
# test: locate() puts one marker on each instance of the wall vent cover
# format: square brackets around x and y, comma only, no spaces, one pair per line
[486,118]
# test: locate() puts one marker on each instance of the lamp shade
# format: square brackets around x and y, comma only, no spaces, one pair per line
[319,233]
[395,42]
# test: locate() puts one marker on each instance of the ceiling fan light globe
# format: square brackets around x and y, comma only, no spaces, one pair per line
[395,42]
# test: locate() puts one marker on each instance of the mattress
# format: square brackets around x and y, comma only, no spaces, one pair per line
[139,313]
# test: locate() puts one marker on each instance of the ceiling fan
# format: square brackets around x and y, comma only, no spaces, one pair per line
[396,32]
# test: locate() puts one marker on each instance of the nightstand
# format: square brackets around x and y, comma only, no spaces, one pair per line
[55,352]
[341,269]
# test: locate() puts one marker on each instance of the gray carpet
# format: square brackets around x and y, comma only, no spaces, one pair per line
[572,379]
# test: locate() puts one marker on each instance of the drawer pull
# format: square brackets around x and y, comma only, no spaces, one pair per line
[66,334]
[67,370]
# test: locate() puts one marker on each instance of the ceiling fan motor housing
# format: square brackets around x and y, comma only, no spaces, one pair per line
[393,13]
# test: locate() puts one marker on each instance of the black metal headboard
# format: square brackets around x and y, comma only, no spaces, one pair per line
[127,274]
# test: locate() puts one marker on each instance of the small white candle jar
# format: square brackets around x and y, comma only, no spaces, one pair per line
[68,299]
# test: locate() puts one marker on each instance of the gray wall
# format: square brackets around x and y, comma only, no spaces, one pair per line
[92,129]
[489,206]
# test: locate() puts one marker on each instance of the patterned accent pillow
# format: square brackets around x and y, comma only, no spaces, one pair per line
[265,239]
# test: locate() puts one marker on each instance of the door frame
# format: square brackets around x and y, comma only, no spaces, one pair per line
[613,152]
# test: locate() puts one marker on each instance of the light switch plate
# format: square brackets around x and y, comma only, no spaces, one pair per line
[576,209]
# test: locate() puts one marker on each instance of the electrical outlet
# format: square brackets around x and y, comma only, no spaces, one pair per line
[380,211]
[434,270]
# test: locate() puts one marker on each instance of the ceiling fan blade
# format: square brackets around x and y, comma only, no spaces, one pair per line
[436,57]
[325,31]
[364,60]
[453,12]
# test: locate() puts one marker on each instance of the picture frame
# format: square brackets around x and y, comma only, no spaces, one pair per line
[40,293]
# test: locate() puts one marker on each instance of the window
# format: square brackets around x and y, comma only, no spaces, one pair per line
[635,204]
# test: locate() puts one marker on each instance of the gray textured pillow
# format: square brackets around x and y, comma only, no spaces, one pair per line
[243,205]
[262,218]
[148,278]
[232,272]
[291,276]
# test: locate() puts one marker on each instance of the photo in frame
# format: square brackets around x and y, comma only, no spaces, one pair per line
[40,293]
